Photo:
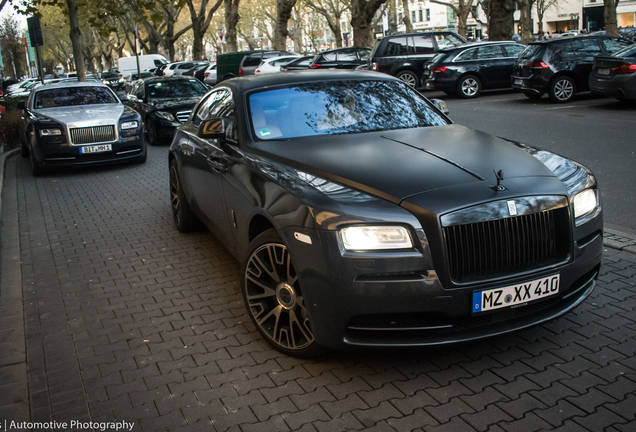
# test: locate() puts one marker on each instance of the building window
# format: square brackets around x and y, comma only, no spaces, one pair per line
[413,16]
[428,14]
[421,15]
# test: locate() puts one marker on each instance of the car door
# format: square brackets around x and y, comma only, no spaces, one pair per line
[206,164]
[395,54]
[493,67]
[586,49]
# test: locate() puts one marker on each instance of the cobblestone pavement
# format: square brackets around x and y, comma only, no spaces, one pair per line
[127,319]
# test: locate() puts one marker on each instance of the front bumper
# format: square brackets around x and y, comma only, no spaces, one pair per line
[398,299]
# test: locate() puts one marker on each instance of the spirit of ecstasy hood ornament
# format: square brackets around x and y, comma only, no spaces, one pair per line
[499,175]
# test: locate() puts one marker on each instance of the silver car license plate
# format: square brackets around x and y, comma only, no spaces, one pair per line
[604,71]
[96,148]
[516,295]
[518,82]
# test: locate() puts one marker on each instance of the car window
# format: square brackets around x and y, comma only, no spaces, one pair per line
[203,111]
[561,51]
[587,47]
[448,40]
[469,54]
[364,54]
[325,108]
[422,44]
[158,62]
[489,52]
[347,55]
[629,51]
[175,88]
[513,50]
[397,46]
[613,45]
[329,56]
[74,96]
[139,90]
[252,60]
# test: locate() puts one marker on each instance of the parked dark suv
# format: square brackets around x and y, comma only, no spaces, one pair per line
[471,68]
[341,58]
[561,67]
[404,55]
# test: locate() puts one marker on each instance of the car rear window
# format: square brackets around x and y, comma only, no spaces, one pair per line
[341,107]
[529,52]
[253,60]
[74,96]
[629,51]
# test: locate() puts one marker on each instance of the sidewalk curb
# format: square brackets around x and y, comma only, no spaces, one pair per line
[4,156]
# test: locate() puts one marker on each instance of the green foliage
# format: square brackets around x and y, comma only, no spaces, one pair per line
[11,128]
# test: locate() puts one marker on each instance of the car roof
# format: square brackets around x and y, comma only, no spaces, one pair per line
[569,38]
[346,48]
[170,78]
[481,43]
[253,82]
[70,84]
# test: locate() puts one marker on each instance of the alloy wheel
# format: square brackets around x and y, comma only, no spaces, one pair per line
[563,90]
[408,78]
[175,200]
[470,87]
[274,299]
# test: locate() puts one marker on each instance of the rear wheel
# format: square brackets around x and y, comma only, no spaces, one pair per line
[408,77]
[562,89]
[274,299]
[469,86]
[151,133]
[533,95]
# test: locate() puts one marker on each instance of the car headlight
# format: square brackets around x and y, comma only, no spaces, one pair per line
[375,238]
[584,202]
[105,81]
[121,80]
[50,132]
[129,125]
[165,115]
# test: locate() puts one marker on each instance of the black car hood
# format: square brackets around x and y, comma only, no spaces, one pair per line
[399,164]
[175,103]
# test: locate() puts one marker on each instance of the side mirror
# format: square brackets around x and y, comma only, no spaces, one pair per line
[213,128]
[124,97]
[21,105]
[440,105]
[132,98]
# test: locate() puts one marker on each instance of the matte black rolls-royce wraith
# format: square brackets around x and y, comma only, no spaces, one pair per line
[363,216]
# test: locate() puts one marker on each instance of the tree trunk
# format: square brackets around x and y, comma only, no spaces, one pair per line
[231,19]
[406,19]
[501,24]
[283,14]
[462,21]
[611,26]
[525,20]
[362,12]
[76,39]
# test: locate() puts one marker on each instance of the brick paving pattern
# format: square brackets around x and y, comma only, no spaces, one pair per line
[127,319]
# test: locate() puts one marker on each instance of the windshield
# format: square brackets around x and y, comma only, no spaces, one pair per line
[73,96]
[175,89]
[340,107]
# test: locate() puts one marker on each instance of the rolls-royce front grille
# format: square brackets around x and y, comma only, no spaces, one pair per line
[93,134]
[183,116]
[484,250]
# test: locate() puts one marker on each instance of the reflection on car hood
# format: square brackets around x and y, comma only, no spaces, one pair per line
[174,103]
[399,164]
[86,115]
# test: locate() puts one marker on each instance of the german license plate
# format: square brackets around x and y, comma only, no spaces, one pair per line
[518,82]
[427,73]
[516,295]
[96,148]
[604,71]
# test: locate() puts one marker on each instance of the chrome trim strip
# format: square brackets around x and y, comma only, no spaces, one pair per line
[128,151]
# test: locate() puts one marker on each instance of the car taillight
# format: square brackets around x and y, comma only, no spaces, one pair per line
[626,69]
[537,64]
[241,71]
[374,66]
[314,66]
[258,71]
[437,68]
[207,74]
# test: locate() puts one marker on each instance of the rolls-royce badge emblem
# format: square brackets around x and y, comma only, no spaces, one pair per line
[499,175]
[512,208]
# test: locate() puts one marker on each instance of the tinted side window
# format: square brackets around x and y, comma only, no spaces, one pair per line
[562,51]
[397,46]
[347,55]
[364,54]
[448,40]
[254,60]
[513,50]
[423,44]
[329,57]
[469,54]
[614,44]
[587,47]
[489,52]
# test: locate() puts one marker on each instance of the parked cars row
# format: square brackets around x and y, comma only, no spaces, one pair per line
[615,75]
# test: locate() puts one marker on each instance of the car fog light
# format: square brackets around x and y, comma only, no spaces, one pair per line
[584,202]
[375,238]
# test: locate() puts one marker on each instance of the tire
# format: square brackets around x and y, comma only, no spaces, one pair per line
[533,95]
[184,219]
[468,87]
[562,89]
[408,78]
[272,294]
[151,134]
[36,169]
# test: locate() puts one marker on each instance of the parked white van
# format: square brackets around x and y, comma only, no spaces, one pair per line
[128,65]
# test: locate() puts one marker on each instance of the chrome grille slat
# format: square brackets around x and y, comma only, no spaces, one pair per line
[483,250]
[183,116]
[93,134]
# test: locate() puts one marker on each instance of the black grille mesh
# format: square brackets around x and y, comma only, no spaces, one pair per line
[504,246]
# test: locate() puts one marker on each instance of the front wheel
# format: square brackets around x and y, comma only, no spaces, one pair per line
[274,299]
[469,87]
[408,77]
[151,134]
[562,89]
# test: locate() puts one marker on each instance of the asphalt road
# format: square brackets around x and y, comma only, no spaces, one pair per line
[599,133]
